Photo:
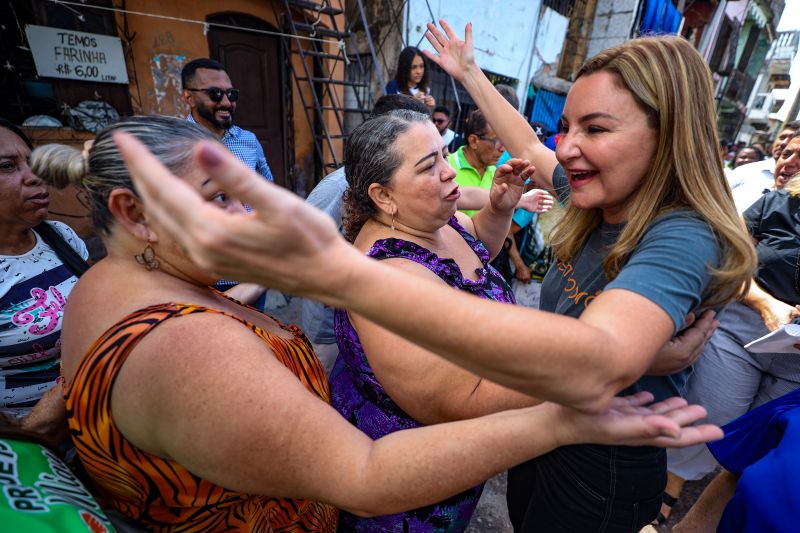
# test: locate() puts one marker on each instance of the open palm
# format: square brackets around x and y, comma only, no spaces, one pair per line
[455,56]
[634,421]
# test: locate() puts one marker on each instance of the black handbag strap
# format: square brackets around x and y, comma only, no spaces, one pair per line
[71,259]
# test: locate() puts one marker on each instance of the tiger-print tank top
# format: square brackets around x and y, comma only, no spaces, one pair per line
[160,493]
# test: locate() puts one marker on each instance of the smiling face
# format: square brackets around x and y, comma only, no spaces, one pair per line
[607,145]
[216,116]
[423,187]
[781,141]
[23,195]
[788,163]
[417,71]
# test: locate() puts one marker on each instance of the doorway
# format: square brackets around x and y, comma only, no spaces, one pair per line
[254,63]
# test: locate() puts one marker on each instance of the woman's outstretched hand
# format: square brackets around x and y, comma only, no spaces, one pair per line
[455,56]
[284,243]
[631,421]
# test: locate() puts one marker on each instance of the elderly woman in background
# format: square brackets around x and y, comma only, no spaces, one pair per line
[189,410]
[39,265]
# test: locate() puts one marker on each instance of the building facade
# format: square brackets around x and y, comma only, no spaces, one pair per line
[774,91]
[287,57]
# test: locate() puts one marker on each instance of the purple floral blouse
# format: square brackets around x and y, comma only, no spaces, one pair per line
[358,395]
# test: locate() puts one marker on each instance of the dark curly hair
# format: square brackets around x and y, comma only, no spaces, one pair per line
[404,70]
[372,158]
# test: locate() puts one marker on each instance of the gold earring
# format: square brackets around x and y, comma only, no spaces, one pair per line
[148,258]
[392,226]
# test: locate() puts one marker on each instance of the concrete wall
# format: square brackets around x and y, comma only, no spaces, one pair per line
[504,33]
[612,24]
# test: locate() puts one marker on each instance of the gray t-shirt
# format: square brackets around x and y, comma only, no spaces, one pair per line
[669,267]
[317,318]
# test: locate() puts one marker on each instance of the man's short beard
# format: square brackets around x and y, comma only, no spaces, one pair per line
[208,114]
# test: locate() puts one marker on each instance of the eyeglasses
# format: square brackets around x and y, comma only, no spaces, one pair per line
[497,142]
[440,121]
[215,93]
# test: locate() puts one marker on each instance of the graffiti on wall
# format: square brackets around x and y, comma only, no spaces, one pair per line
[166,71]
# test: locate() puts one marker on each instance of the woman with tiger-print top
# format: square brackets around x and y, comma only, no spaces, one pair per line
[193,412]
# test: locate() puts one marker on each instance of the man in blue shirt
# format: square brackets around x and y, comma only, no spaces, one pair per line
[211,96]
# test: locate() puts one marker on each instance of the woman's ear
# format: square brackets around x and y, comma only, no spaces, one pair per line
[127,211]
[472,141]
[381,196]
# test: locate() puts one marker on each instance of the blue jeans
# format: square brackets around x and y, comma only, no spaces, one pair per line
[587,489]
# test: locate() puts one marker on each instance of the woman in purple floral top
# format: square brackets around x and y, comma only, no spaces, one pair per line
[401,207]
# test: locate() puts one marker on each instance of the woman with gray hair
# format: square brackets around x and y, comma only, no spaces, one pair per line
[191,410]
[400,207]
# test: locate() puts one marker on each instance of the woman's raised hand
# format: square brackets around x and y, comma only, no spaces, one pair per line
[631,421]
[509,184]
[284,243]
[455,56]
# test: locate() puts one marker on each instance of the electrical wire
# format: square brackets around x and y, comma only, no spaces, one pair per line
[206,25]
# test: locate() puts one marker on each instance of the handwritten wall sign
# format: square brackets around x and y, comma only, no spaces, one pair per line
[76,55]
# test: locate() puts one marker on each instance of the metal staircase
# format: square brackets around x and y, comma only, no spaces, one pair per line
[330,82]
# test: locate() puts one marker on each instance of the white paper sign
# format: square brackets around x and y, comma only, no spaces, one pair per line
[76,55]
[782,340]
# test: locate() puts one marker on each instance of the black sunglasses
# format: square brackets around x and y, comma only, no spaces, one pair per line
[215,93]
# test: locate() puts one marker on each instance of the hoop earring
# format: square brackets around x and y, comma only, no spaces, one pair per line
[148,258]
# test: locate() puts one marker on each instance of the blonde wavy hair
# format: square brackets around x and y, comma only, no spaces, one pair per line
[59,165]
[672,84]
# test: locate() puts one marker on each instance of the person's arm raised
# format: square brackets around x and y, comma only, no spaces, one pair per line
[223,407]
[291,246]
[456,57]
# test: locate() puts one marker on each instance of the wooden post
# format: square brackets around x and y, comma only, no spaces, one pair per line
[576,43]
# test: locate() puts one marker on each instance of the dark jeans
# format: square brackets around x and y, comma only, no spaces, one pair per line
[587,489]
